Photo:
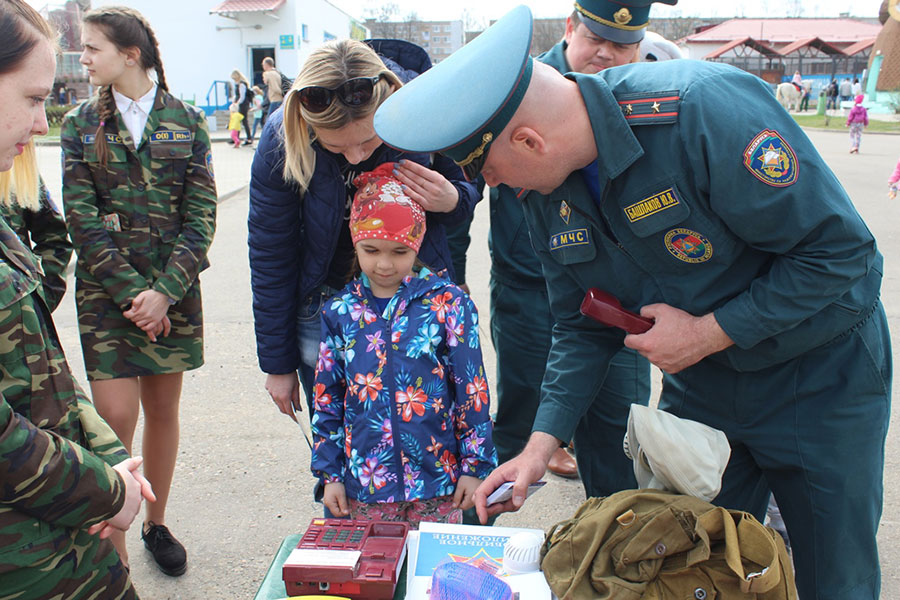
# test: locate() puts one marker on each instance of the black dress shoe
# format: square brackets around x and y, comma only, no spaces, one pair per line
[168,552]
[248,142]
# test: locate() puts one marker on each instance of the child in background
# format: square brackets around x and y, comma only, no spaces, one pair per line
[401,428]
[234,124]
[893,182]
[257,109]
[856,120]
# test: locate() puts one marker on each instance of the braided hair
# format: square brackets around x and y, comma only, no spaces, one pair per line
[125,28]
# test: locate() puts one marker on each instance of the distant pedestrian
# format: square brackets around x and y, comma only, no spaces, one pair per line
[234,123]
[243,94]
[804,98]
[894,182]
[856,121]
[857,87]
[831,93]
[272,78]
[846,90]
[256,113]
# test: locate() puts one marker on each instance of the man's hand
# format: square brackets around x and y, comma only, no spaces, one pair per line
[463,497]
[335,499]
[678,339]
[526,468]
[429,188]
[137,488]
[285,392]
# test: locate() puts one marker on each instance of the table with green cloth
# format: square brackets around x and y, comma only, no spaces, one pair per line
[272,587]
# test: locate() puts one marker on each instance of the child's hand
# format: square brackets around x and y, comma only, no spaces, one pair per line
[464,495]
[335,499]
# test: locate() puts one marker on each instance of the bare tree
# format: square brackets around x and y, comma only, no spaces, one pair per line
[383,13]
[547,32]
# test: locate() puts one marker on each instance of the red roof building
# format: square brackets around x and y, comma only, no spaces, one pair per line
[773,48]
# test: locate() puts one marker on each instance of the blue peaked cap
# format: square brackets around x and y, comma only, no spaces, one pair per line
[460,105]
[620,21]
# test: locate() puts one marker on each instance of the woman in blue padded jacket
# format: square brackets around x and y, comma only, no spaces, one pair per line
[301,190]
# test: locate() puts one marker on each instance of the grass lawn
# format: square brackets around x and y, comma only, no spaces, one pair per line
[837,123]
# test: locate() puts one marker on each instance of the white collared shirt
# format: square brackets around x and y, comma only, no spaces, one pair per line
[135,112]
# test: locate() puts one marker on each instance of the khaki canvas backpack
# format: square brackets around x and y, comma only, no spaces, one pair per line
[657,545]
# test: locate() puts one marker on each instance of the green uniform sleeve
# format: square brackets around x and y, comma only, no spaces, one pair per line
[96,249]
[53,479]
[581,348]
[198,214]
[819,244]
[50,242]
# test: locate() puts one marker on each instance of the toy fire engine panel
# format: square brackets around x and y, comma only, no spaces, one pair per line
[357,559]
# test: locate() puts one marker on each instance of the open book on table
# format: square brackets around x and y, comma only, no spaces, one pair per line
[436,543]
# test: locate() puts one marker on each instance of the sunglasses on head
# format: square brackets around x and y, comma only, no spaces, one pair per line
[353,92]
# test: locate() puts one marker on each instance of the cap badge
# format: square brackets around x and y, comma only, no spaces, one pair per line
[622,16]
[565,211]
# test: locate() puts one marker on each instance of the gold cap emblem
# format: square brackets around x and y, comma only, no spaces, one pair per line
[622,16]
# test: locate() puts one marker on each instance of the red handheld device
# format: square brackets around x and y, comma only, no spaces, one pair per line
[606,308]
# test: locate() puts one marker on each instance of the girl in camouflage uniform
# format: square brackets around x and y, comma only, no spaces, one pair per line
[140,202]
[65,479]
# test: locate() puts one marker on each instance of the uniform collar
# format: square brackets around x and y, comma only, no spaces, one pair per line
[144,104]
[617,146]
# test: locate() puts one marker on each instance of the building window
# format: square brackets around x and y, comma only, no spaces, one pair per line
[304,32]
[446,29]
[327,37]
[437,28]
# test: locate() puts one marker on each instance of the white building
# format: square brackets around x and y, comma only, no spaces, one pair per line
[203,41]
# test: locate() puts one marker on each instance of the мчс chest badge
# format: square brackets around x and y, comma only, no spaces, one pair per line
[771,159]
[688,246]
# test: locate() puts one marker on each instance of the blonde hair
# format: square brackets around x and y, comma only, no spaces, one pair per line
[329,66]
[240,77]
[21,184]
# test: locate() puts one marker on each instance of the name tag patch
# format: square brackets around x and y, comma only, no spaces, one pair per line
[572,237]
[771,159]
[111,138]
[171,136]
[652,205]
[688,246]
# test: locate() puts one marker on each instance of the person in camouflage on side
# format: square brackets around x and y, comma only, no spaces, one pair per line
[42,228]
[140,202]
[66,481]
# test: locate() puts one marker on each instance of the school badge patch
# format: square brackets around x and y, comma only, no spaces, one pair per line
[209,164]
[771,159]
[565,211]
[688,246]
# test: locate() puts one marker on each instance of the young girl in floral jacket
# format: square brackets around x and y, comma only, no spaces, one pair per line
[401,427]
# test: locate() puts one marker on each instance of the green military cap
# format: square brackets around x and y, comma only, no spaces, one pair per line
[459,106]
[620,21]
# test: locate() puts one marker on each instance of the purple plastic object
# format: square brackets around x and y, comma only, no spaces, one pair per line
[461,581]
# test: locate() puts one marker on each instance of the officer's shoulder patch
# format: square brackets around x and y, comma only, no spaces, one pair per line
[209,164]
[771,159]
[650,108]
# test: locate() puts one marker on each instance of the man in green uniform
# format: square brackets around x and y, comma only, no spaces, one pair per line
[723,226]
[521,321]
[57,456]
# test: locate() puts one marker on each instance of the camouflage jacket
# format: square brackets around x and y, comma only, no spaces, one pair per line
[56,452]
[44,231]
[145,220]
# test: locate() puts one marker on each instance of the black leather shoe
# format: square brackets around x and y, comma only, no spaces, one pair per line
[248,142]
[168,552]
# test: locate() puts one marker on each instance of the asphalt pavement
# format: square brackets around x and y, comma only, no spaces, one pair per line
[242,482]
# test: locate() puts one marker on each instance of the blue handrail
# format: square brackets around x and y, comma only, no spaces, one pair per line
[217,98]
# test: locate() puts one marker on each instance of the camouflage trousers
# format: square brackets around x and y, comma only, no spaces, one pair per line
[89,568]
